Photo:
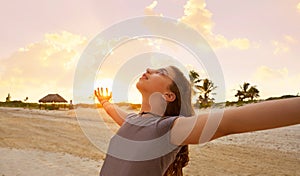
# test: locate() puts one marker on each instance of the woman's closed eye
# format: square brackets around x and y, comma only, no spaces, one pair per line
[162,71]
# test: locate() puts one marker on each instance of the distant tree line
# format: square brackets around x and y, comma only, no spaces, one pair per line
[203,88]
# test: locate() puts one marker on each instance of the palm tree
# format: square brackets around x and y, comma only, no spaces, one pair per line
[8,98]
[247,92]
[245,87]
[253,92]
[194,79]
[25,101]
[203,87]
[240,95]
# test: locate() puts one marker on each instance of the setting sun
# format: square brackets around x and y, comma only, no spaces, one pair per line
[132,92]
[105,83]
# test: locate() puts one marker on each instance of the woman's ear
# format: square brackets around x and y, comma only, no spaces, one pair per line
[169,96]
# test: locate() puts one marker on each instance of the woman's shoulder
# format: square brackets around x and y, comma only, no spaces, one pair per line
[168,118]
[166,123]
[131,115]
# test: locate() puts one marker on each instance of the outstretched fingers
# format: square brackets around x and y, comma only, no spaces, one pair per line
[96,92]
[106,91]
[101,91]
[102,95]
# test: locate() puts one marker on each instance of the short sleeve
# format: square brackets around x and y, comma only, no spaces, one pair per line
[130,116]
[165,124]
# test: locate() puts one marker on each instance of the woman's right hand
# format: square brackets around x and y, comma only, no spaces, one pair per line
[101,96]
[117,114]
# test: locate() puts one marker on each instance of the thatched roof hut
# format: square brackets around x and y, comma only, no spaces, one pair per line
[53,98]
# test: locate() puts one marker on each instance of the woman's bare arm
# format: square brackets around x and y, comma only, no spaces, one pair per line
[113,111]
[259,116]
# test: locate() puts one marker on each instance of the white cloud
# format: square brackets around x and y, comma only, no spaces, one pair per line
[196,15]
[241,44]
[290,39]
[284,45]
[42,66]
[280,47]
[152,5]
[199,17]
[264,73]
[149,10]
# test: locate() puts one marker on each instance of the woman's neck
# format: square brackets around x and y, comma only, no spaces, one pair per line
[155,107]
[145,107]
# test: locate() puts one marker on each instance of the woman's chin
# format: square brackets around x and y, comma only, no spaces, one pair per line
[138,86]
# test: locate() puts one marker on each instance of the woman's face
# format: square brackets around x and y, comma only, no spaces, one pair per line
[155,80]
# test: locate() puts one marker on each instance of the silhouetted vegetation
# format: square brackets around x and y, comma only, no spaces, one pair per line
[203,88]
[8,98]
[241,103]
[247,92]
[19,104]
[282,97]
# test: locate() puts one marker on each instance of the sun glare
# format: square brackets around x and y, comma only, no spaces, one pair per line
[134,96]
[104,82]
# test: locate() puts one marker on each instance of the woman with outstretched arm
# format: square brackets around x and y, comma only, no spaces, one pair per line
[154,141]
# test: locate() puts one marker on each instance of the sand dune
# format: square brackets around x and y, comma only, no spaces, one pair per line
[39,142]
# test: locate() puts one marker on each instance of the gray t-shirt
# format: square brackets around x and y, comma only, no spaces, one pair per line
[140,147]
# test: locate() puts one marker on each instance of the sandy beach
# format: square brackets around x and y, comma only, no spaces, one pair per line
[40,142]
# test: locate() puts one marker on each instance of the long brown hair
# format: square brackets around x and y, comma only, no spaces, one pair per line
[182,106]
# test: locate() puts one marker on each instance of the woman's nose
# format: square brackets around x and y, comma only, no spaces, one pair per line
[149,70]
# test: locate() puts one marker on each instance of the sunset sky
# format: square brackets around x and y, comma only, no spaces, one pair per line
[255,41]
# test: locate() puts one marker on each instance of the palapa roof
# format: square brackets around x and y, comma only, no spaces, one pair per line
[50,98]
